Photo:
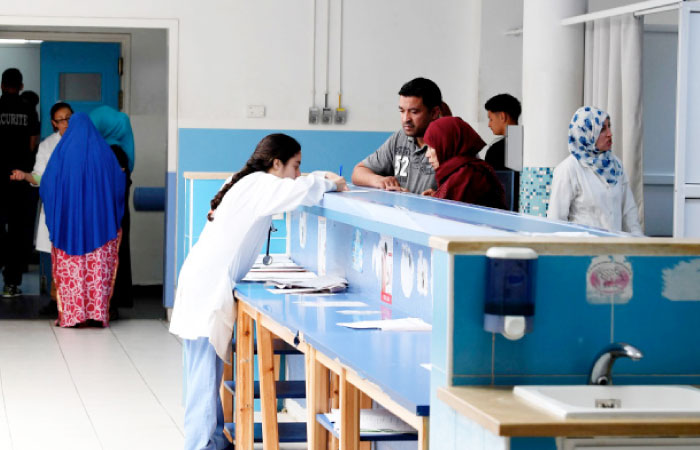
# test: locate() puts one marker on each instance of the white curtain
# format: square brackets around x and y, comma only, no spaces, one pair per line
[613,82]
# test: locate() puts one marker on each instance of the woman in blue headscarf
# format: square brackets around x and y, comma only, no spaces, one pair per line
[115,128]
[83,194]
[589,186]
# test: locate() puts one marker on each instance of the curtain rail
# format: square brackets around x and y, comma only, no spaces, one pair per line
[641,8]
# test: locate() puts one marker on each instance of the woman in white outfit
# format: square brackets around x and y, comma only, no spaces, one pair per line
[60,114]
[590,186]
[204,310]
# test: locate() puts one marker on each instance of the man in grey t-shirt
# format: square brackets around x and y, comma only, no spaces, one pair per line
[400,163]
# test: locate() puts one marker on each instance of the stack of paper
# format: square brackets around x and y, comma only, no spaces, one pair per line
[280,263]
[278,277]
[374,421]
[281,269]
[406,324]
[324,284]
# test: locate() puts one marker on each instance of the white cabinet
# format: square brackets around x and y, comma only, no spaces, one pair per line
[686,218]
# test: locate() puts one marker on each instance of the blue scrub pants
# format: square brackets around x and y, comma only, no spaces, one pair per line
[204,416]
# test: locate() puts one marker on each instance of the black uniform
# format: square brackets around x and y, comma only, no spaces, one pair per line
[18,123]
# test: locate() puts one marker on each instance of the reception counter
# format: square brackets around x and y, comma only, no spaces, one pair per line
[411,256]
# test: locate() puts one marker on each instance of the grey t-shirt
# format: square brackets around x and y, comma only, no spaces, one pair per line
[401,157]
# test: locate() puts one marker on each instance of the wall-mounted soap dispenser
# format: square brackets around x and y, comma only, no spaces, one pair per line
[510,305]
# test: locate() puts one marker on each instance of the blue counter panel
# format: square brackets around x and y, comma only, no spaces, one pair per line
[391,360]
[356,255]
[303,234]
[440,283]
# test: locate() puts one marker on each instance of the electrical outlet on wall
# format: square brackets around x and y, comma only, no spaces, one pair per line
[341,116]
[256,111]
[314,115]
[327,116]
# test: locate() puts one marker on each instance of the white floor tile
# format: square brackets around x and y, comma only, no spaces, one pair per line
[113,388]
[167,437]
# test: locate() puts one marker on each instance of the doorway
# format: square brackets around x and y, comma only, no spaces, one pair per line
[145,58]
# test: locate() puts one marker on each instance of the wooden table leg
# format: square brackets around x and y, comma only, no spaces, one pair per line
[316,401]
[365,403]
[226,396]
[268,395]
[244,381]
[349,415]
[333,443]
[423,435]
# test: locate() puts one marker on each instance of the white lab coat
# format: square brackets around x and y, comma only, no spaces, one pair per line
[226,250]
[46,148]
[580,196]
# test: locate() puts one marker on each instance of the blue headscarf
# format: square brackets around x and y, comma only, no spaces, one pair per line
[115,127]
[584,129]
[82,190]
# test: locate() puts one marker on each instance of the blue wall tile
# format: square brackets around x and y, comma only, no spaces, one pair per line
[471,380]
[535,188]
[666,331]
[515,380]
[533,443]
[472,345]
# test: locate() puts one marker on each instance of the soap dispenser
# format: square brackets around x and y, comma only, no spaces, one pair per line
[509,305]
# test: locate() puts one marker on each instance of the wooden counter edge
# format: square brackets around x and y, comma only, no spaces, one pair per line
[206,175]
[560,245]
[517,418]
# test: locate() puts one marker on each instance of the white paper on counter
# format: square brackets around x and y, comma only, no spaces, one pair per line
[407,324]
[278,277]
[374,421]
[326,282]
[331,304]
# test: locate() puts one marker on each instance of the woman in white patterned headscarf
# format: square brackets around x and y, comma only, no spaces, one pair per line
[589,186]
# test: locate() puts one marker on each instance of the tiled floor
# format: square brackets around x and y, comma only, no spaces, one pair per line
[90,388]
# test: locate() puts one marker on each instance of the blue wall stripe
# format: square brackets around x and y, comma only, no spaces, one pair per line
[169,254]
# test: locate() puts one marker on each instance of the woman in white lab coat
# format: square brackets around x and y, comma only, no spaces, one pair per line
[60,114]
[204,310]
[590,186]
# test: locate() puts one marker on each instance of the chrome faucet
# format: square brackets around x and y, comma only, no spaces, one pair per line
[602,367]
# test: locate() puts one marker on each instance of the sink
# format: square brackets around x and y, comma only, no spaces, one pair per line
[592,401]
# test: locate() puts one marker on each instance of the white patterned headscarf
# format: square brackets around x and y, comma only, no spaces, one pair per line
[584,130]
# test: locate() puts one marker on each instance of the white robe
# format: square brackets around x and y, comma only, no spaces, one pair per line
[580,196]
[46,148]
[226,250]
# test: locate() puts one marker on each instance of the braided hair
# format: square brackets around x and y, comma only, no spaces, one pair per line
[274,146]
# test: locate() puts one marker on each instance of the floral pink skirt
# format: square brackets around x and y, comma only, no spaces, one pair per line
[84,283]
